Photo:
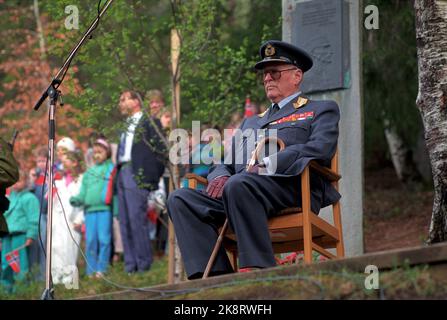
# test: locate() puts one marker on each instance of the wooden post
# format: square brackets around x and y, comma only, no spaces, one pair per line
[171,243]
[175,55]
[175,266]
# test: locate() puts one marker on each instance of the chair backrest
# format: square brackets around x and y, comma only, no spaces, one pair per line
[294,223]
[336,209]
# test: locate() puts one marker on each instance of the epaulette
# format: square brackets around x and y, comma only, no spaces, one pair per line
[262,114]
[302,101]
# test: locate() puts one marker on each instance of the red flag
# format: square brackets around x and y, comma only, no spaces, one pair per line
[152,214]
[248,110]
[109,188]
[13,260]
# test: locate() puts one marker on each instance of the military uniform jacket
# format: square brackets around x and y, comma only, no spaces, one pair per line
[309,130]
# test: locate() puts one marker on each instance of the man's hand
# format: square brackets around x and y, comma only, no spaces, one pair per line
[29,242]
[255,168]
[215,187]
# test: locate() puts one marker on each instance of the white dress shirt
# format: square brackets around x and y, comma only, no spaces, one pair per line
[127,137]
[269,166]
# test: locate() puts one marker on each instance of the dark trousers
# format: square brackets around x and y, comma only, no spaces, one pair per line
[248,200]
[132,204]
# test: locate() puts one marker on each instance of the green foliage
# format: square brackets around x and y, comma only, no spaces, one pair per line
[390,76]
[131,49]
[127,51]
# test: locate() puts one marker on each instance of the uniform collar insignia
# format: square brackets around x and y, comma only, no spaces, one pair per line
[300,102]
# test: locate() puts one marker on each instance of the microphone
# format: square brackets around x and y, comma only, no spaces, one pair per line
[53,86]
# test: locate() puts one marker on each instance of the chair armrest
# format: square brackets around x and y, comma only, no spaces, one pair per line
[199,179]
[324,171]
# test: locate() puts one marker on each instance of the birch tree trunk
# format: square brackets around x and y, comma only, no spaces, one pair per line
[401,155]
[431,36]
[43,50]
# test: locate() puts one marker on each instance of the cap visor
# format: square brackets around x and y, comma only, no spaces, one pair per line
[261,64]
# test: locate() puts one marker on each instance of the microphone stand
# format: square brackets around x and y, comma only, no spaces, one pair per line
[53,93]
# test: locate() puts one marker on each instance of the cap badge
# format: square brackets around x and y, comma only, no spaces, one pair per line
[269,50]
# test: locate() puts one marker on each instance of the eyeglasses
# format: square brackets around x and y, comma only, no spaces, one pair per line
[275,74]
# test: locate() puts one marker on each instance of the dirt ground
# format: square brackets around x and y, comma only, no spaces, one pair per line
[394,216]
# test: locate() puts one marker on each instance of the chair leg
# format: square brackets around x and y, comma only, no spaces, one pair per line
[307,244]
[337,222]
[307,226]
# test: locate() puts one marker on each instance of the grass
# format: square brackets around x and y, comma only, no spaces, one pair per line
[29,290]
[419,282]
[401,283]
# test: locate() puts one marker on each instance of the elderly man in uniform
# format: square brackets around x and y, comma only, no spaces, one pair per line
[309,130]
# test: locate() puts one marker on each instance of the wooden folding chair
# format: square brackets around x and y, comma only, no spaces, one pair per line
[293,229]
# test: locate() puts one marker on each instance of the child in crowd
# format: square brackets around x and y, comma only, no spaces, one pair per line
[166,119]
[67,221]
[63,146]
[96,200]
[37,179]
[22,219]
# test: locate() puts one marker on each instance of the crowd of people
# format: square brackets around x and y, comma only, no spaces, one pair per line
[109,200]
[114,203]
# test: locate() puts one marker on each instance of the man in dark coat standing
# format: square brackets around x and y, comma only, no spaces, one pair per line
[140,164]
[309,130]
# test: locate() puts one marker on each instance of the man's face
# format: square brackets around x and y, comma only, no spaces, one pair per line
[281,80]
[127,105]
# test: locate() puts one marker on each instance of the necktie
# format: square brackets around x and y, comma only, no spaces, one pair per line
[122,145]
[274,109]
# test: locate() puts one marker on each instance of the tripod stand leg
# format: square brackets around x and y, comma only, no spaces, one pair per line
[48,294]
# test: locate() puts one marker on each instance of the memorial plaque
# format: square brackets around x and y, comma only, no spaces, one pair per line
[321,27]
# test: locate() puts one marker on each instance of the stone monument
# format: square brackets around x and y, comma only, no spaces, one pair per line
[330,30]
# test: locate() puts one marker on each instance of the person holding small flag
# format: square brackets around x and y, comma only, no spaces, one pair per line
[9,174]
[22,218]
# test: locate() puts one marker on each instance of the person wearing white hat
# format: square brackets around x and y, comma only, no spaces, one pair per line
[66,143]
[63,146]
